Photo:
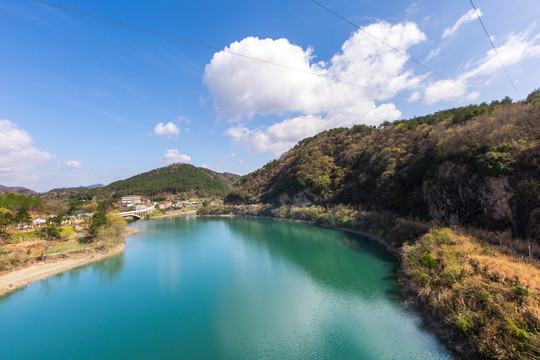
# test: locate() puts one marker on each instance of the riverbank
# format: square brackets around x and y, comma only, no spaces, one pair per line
[54,265]
[173,214]
[477,293]
[38,271]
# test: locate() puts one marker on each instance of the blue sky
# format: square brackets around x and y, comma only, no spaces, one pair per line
[85,101]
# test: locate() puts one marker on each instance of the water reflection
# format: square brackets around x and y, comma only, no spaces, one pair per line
[109,268]
[324,254]
[221,289]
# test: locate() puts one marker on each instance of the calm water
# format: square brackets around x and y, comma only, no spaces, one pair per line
[220,288]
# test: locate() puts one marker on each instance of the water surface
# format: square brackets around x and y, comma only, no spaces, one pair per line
[221,288]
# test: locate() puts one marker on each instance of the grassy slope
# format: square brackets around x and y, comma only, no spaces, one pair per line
[491,297]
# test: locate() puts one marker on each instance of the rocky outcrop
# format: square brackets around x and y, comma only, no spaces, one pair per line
[456,196]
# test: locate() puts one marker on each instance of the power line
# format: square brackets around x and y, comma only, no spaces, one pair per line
[385,43]
[494,48]
[223,50]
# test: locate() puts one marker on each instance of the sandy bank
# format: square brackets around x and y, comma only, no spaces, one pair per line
[39,271]
[55,265]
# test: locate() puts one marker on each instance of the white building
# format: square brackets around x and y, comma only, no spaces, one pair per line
[131,199]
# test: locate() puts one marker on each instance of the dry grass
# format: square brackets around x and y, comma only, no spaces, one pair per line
[492,297]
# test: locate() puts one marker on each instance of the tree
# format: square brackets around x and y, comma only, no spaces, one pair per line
[99,219]
[6,219]
[53,223]
[111,233]
[67,233]
[22,217]
[90,208]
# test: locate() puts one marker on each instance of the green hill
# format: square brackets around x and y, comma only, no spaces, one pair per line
[477,165]
[172,179]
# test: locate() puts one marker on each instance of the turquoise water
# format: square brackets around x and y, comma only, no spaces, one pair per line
[221,288]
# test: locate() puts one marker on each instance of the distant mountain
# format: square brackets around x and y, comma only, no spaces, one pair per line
[173,179]
[60,192]
[16,189]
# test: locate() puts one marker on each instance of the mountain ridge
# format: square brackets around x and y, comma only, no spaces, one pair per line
[477,165]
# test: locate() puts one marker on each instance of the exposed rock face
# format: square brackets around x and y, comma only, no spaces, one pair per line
[454,196]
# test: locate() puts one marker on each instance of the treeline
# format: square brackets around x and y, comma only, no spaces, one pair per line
[14,202]
[386,168]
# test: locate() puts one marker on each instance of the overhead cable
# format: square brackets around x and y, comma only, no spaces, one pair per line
[388,45]
[494,48]
[224,50]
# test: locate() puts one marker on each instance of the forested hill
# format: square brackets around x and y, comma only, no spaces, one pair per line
[476,165]
[172,179]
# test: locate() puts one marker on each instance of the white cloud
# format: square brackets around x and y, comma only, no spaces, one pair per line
[516,48]
[18,157]
[242,88]
[166,129]
[183,119]
[173,156]
[433,54]
[467,18]
[73,164]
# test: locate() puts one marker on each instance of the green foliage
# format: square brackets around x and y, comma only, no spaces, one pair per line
[99,219]
[463,323]
[427,260]
[440,235]
[421,277]
[67,233]
[521,335]
[6,219]
[22,217]
[173,179]
[237,198]
[534,97]
[110,234]
[14,201]
[521,291]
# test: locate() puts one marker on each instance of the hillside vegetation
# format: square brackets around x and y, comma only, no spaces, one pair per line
[173,179]
[477,165]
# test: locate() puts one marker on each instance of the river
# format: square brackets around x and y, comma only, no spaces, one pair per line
[221,288]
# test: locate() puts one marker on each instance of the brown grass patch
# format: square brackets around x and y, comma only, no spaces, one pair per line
[491,297]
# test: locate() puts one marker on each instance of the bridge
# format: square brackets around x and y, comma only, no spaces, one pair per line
[139,214]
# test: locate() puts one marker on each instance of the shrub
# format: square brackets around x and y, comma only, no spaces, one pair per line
[463,323]
[421,277]
[67,233]
[521,335]
[440,235]
[5,263]
[521,291]
[428,261]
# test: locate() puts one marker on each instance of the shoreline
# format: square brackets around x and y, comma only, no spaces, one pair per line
[18,279]
[457,345]
[173,214]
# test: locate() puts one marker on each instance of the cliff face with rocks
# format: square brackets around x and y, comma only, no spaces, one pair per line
[476,166]
[456,197]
